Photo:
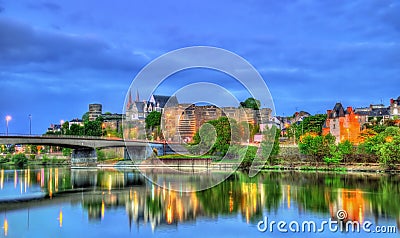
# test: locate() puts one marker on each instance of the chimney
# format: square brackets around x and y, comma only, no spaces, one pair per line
[391,101]
[349,109]
[328,112]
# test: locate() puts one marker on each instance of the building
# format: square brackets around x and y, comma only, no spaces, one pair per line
[343,124]
[159,102]
[54,128]
[182,121]
[95,110]
[113,121]
[75,121]
[373,114]
[394,108]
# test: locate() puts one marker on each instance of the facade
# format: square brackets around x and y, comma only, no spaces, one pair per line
[394,108]
[54,128]
[373,114]
[343,124]
[75,121]
[113,121]
[181,122]
[95,110]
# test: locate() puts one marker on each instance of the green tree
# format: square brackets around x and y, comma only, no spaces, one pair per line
[317,147]
[153,120]
[251,103]
[373,144]
[85,117]
[93,128]
[389,152]
[65,128]
[204,140]
[77,130]
[270,145]
[227,133]
[19,159]
[338,152]
[311,124]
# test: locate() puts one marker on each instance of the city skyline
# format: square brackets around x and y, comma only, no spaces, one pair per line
[57,58]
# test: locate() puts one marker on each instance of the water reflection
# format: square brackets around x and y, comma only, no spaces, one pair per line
[110,196]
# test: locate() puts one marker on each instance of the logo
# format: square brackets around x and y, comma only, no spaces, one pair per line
[188,88]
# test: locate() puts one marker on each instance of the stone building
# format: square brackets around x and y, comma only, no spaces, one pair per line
[395,108]
[343,124]
[181,122]
[95,110]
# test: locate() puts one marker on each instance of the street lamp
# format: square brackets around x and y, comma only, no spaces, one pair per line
[8,118]
[30,124]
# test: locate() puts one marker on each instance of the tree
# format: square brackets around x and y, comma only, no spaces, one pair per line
[227,132]
[389,152]
[65,128]
[373,144]
[338,152]
[19,159]
[317,147]
[85,117]
[311,124]
[76,130]
[153,120]
[251,103]
[93,128]
[270,144]
[204,140]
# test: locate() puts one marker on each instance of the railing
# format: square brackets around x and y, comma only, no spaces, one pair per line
[58,136]
[75,137]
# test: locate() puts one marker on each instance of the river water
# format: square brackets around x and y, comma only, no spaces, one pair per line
[65,202]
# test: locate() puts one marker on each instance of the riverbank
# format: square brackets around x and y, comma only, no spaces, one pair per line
[301,166]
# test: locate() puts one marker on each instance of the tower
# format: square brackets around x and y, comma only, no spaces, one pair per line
[137,95]
[129,104]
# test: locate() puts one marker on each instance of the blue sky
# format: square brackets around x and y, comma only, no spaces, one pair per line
[56,58]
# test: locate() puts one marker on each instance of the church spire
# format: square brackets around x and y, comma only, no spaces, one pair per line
[137,95]
[129,104]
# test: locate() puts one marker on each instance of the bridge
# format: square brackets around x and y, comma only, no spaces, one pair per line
[84,147]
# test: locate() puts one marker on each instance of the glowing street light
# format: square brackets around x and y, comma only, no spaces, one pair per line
[8,118]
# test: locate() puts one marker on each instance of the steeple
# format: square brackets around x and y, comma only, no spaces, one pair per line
[137,95]
[129,104]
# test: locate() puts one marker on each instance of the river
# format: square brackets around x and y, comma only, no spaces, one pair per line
[65,202]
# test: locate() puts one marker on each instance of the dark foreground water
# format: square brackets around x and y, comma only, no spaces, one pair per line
[64,202]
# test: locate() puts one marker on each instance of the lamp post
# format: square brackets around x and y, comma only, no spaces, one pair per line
[30,124]
[8,118]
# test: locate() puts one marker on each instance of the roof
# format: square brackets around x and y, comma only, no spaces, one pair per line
[338,111]
[162,100]
[380,112]
[140,106]
[76,120]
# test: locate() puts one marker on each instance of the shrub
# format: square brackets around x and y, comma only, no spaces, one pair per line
[19,159]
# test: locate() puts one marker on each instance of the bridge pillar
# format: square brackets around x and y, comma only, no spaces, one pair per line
[138,152]
[84,156]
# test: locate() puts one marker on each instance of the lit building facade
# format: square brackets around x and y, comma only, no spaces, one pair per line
[343,124]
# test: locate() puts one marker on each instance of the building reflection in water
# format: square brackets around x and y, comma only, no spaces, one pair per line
[104,191]
[352,201]
[5,226]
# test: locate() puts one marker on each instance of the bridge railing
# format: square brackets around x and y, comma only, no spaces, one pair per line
[3,135]
[58,136]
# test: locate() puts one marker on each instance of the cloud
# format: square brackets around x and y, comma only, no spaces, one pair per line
[45,5]
[21,43]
